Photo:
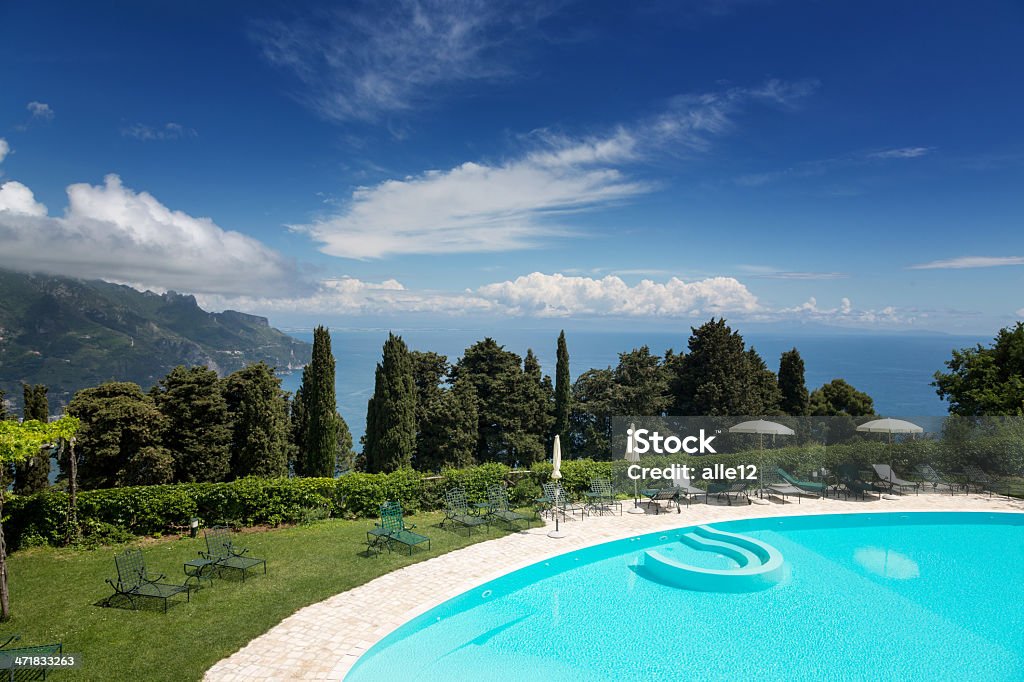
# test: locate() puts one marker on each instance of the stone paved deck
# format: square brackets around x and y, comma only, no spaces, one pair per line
[324,640]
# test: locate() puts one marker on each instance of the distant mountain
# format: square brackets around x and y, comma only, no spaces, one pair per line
[70,334]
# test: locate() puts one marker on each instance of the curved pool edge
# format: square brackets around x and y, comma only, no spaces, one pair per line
[350,623]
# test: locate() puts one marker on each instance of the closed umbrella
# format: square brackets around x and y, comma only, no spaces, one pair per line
[633,457]
[556,475]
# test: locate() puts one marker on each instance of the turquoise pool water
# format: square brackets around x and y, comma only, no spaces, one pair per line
[866,596]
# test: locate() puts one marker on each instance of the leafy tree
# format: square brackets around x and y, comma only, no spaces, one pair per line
[260,425]
[390,440]
[33,474]
[119,440]
[795,398]
[837,398]
[18,442]
[563,390]
[197,431]
[320,441]
[448,433]
[986,380]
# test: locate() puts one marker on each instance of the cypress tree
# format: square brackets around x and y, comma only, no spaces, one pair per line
[563,390]
[4,414]
[391,413]
[259,422]
[795,398]
[33,474]
[299,426]
[198,432]
[321,436]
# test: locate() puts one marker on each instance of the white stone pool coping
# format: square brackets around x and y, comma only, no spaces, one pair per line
[323,641]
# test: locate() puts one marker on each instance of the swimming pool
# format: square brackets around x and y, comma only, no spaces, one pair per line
[864,596]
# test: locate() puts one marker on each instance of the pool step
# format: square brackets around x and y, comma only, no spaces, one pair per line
[760,565]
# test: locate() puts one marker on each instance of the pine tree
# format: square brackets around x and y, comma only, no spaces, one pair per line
[321,437]
[119,441]
[716,376]
[563,390]
[531,440]
[763,385]
[795,398]
[391,413]
[260,425]
[449,431]
[33,474]
[197,433]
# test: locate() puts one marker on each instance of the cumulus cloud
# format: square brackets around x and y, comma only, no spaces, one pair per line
[969,262]
[4,149]
[559,295]
[845,314]
[16,198]
[381,58]
[40,110]
[168,131]
[114,233]
[515,204]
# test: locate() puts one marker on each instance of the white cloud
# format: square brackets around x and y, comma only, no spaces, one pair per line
[390,57]
[4,149]
[900,153]
[471,208]
[111,232]
[351,296]
[168,131]
[557,295]
[40,110]
[487,207]
[17,198]
[970,262]
[845,314]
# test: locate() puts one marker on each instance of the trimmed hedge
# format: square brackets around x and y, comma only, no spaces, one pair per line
[116,513]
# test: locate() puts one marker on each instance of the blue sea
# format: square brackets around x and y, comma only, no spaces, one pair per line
[896,370]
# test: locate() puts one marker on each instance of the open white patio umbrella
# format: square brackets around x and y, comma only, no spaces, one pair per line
[762,428]
[633,457]
[556,475]
[890,426]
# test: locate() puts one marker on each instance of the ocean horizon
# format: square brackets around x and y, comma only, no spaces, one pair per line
[895,370]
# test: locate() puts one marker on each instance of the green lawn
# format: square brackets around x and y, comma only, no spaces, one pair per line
[55,596]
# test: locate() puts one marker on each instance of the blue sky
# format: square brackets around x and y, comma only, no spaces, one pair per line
[793,164]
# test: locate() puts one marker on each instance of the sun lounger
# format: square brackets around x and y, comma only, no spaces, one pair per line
[892,481]
[498,507]
[730,490]
[930,475]
[818,488]
[850,477]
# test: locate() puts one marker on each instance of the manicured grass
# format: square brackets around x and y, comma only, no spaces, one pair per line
[55,596]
